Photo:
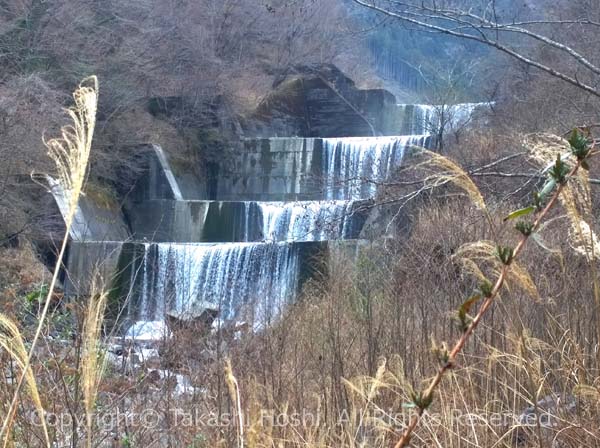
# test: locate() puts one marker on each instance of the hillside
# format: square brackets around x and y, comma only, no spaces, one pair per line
[299,223]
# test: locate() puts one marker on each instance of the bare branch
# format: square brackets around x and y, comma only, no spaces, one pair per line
[459,17]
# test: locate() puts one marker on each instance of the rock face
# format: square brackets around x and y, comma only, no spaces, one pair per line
[158,180]
[305,99]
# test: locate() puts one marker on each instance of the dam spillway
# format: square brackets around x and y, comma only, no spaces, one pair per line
[246,239]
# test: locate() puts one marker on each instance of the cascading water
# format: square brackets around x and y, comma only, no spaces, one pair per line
[262,277]
[416,118]
[232,277]
[271,237]
[353,167]
[307,221]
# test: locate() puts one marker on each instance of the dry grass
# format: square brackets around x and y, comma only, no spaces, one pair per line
[70,153]
[446,170]
[92,357]
[356,345]
[353,351]
[480,256]
[12,341]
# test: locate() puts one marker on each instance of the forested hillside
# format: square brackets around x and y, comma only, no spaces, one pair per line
[213,60]
[299,223]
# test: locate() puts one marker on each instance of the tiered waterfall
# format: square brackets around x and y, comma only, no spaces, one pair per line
[245,243]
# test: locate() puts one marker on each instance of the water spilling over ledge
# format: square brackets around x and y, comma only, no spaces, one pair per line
[245,237]
[427,118]
[311,220]
[298,169]
[147,279]
[177,277]
[268,247]
[353,167]
[247,221]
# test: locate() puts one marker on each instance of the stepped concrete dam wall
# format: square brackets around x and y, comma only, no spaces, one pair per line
[244,239]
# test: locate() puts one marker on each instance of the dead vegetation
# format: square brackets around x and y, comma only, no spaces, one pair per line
[344,366]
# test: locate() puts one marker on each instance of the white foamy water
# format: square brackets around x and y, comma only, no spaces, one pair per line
[230,276]
[353,167]
[307,220]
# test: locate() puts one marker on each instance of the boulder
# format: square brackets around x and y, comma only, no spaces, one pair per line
[198,319]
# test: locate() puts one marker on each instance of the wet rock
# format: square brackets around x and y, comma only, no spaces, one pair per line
[127,354]
[198,319]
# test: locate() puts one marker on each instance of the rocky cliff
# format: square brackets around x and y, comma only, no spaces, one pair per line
[305,98]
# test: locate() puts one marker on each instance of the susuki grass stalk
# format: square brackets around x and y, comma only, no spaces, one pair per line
[70,152]
[12,341]
[92,366]
[424,399]
[234,394]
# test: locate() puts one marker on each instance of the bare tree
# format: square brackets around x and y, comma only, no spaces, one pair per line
[519,38]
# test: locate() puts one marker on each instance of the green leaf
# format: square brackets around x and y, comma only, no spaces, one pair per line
[559,171]
[486,288]
[580,145]
[546,190]
[421,400]
[577,139]
[37,295]
[505,254]
[526,228]
[520,212]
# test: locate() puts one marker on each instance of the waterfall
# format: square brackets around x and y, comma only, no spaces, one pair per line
[231,277]
[168,172]
[426,118]
[353,167]
[307,220]
[416,118]
[280,202]
[423,120]
[248,209]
